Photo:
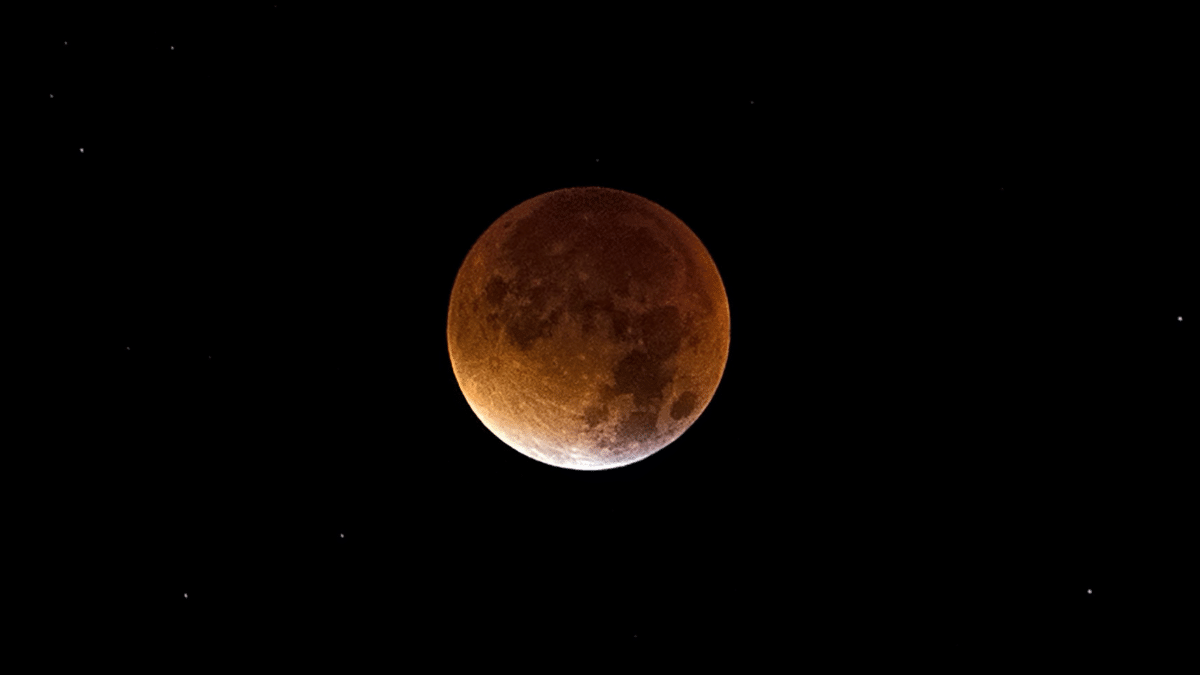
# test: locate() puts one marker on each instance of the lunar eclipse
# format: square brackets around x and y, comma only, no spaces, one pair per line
[588,328]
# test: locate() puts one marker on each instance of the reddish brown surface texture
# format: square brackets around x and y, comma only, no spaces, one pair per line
[588,328]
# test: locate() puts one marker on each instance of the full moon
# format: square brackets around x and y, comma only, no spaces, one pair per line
[588,328]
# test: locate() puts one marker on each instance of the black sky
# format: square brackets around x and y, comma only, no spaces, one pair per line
[957,394]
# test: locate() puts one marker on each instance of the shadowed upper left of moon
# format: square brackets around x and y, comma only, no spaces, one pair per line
[588,328]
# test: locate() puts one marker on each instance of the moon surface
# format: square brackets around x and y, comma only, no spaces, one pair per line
[588,328]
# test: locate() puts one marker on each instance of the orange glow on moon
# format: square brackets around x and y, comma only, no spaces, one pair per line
[588,328]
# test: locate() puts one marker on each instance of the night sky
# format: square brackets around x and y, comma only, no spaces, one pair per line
[957,419]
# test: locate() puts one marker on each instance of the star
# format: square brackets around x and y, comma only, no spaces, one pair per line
[51,95]
[1181,318]
[81,149]
[185,595]
[1089,591]
[342,536]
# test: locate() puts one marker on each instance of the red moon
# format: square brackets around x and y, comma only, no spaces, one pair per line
[588,328]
